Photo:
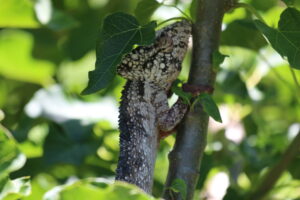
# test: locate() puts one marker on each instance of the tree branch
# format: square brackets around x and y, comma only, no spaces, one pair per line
[190,142]
[276,171]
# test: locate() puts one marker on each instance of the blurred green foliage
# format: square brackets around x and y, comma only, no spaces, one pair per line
[47,155]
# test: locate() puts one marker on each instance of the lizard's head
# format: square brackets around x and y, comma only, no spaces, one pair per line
[172,41]
[160,62]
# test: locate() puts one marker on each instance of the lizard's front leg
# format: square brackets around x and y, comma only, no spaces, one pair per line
[168,118]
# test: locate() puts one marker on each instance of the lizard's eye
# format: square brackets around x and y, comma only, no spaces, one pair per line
[166,44]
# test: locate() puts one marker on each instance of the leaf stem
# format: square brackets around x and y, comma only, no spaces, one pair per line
[170,19]
[251,9]
[181,11]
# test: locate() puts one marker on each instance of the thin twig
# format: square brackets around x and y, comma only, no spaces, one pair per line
[181,11]
[275,172]
[170,19]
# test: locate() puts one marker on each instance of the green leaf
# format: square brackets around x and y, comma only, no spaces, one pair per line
[16,61]
[69,142]
[95,189]
[178,185]
[15,189]
[18,13]
[145,9]
[218,58]
[179,92]
[285,40]
[209,106]
[11,159]
[243,33]
[119,34]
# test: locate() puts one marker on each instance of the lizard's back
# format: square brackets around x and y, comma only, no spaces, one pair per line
[144,109]
[138,134]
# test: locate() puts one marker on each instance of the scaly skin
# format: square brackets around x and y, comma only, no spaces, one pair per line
[144,111]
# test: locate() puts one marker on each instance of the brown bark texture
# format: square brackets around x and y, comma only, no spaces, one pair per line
[185,158]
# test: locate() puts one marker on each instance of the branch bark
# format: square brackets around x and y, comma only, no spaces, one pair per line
[271,177]
[190,143]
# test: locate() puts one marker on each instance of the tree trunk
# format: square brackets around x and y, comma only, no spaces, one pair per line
[190,143]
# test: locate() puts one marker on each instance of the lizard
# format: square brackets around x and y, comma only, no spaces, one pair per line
[144,111]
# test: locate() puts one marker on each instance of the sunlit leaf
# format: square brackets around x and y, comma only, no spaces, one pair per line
[15,189]
[16,61]
[95,189]
[11,159]
[40,184]
[285,40]
[145,9]
[119,33]
[18,13]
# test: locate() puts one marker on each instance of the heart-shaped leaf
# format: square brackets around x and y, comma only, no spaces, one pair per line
[285,40]
[243,33]
[120,32]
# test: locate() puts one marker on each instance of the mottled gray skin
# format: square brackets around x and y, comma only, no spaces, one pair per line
[144,110]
